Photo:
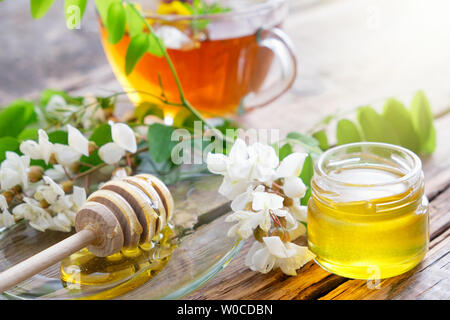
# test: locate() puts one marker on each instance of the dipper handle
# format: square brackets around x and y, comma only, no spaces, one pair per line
[44,259]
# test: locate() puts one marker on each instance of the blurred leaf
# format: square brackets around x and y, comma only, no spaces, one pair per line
[28,134]
[399,118]
[134,21]
[430,145]
[374,127]
[160,142]
[306,176]
[74,11]
[8,144]
[422,119]
[47,94]
[347,132]
[136,49]
[102,8]
[307,171]
[321,136]
[58,136]
[15,117]
[101,135]
[40,7]
[115,22]
[147,108]
[155,45]
[303,138]
[284,151]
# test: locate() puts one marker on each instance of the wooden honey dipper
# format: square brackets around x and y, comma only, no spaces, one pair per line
[122,214]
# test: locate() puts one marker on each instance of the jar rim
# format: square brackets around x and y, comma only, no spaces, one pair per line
[413,172]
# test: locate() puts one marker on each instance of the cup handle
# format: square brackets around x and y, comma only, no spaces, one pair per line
[279,43]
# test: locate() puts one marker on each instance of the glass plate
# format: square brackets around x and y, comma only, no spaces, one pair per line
[203,251]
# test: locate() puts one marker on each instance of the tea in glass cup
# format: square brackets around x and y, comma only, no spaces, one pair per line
[222,59]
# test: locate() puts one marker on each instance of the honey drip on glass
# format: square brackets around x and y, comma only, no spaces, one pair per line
[118,273]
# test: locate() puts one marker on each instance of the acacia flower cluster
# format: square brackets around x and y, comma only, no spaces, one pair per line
[49,199]
[265,198]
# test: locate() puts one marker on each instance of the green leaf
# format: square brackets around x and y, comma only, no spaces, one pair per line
[74,11]
[303,138]
[422,119]
[147,108]
[306,176]
[347,132]
[321,136]
[8,144]
[28,134]
[102,8]
[399,118]
[307,142]
[430,145]
[40,7]
[307,171]
[101,135]
[47,94]
[58,136]
[374,127]
[137,48]
[284,151]
[155,45]
[115,22]
[160,142]
[134,21]
[15,117]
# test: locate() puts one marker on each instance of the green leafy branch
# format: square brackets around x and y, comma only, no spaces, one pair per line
[411,128]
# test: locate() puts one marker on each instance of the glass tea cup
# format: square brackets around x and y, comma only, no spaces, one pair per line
[222,60]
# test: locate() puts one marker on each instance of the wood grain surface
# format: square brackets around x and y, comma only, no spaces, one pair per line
[350,53]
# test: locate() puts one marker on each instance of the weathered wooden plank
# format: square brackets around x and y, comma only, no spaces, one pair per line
[238,282]
[429,280]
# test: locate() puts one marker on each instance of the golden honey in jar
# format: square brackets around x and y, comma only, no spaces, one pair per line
[368,215]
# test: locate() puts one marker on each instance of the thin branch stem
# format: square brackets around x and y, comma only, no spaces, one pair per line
[184,101]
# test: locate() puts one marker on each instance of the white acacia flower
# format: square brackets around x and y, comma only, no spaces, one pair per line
[65,155]
[273,253]
[298,211]
[254,208]
[6,218]
[290,169]
[77,141]
[244,166]
[56,173]
[32,211]
[51,192]
[43,149]
[124,140]
[14,171]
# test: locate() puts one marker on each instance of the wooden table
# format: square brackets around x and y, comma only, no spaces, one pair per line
[350,53]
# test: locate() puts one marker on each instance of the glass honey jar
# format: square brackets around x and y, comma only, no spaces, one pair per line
[368,215]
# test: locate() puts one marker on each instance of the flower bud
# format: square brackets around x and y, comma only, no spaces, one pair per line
[287,202]
[92,147]
[53,159]
[67,186]
[259,234]
[75,167]
[35,174]
[282,234]
[9,195]
[44,204]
